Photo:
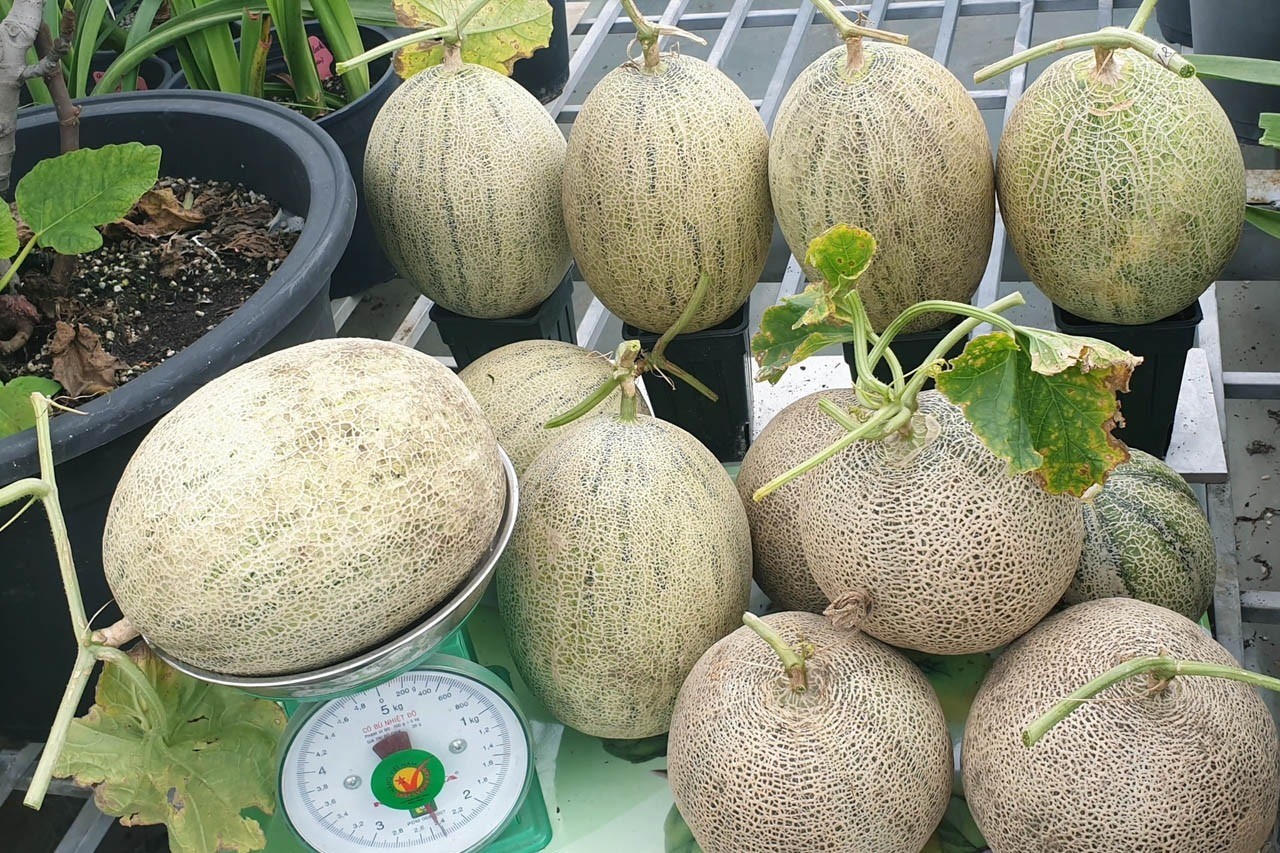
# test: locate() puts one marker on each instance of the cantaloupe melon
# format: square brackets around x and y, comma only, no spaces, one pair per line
[1192,764]
[859,761]
[665,179]
[792,436]
[523,385]
[630,557]
[303,507]
[934,546]
[462,174]
[1146,537]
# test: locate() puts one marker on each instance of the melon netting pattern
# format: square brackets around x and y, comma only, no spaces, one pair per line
[1124,200]
[1193,767]
[1146,537]
[793,435]
[523,385]
[951,554]
[303,507]
[631,556]
[899,150]
[861,762]
[666,178]
[462,174]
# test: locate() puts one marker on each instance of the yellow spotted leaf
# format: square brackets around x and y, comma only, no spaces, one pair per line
[502,32]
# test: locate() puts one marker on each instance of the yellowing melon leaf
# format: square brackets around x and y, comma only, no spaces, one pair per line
[213,758]
[788,335]
[841,253]
[502,32]
[1047,406]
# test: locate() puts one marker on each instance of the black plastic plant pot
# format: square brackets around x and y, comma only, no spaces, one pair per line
[468,338]
[202,134]
[1174,17]
[718,357]
[1152,401]
[153,71]
[545,73]
[1239,28]
[363,264]
[911,350]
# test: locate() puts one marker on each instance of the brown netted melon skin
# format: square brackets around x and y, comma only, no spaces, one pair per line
[630,557]
[900,150]
[861,763]
[795,434]
[1193,768]
[953,554]
[523,385]
[303,507]
[1123,200]
[462,175]
[666,178]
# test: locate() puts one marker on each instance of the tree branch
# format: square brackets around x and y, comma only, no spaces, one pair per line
[17,36]
[64,266]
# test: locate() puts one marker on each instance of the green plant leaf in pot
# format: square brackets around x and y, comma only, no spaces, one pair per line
[496,35]
[16,414]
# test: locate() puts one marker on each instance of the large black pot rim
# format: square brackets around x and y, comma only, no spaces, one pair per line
[300,276]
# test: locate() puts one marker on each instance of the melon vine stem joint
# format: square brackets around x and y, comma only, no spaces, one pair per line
[792,661]
[648,35]
[852,34]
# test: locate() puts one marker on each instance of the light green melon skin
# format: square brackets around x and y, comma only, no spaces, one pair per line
[1146,537]
[1114,222]
[462,177]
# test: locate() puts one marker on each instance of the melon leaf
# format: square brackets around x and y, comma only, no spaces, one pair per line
[1044,401]
[16,413]
[841,253]
[790,333]
[502,32]
[212,759]
[8,233]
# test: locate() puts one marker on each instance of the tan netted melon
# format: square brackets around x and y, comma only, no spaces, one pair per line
[666,179]
[792,436]
[630,556]
[462,173]
[936,547]
[303,507]
[898,148]
[1122,189]
[1146,537]
[859,761]
[523,385]
[1161,767]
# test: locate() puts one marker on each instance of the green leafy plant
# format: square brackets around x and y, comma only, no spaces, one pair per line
[1043,401]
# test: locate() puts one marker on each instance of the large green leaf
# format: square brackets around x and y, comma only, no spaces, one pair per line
[215,758]
[65,198]
[1045,402]
[16,413]
[8,232]
[1270,124]
[1264,218]
[502,32]
[788,334]
[1242,68]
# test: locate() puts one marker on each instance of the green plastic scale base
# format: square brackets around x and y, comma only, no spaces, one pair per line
[529,830]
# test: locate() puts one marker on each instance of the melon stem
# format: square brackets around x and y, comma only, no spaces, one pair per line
[1163,668]
[450,33]
[657,360]
[976,317]
[792,662]
[1108,38]
[1140,17]
[646,33]
[849,30]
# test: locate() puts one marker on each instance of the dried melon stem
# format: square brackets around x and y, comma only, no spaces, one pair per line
[792,661]
[852,34]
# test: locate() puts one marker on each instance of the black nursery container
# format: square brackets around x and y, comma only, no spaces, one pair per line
[911,350]
[1239,28]
[1152,401]
[1174,17]
[718,357]
[468,338]
[545,73]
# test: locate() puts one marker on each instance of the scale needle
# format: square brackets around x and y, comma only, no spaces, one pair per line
[430,807]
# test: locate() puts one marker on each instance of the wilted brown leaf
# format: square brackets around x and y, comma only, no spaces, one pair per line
[80,363]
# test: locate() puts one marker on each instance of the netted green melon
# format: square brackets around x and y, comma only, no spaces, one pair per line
[303,507]
[462,174]
[896,147]
[1122,187]
[1146,537]
[665,179]
[792,436]
[523,385]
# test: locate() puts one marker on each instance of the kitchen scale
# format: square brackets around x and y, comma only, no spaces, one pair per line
[412,746]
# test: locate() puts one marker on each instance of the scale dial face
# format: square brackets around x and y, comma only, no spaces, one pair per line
[433,760]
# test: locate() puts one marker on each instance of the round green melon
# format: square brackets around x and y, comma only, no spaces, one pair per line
[1123,190]
[1146,537]
[462,177]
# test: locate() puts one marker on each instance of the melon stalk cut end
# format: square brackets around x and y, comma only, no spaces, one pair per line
[852,34]
[792,661]
[648,35]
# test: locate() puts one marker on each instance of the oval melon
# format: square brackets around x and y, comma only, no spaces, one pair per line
[861,761]
[897,148]
[630,557]
[303,507]
[792,436]
[1192,766]
[523,385]
[944,550]
[1123,193]
[1146,537]
[462,174]
[666,178]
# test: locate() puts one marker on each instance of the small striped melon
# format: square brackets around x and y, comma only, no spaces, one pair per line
[1146,537]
